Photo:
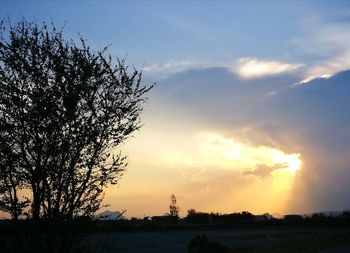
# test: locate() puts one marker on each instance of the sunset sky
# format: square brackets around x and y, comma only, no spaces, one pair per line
[250,110]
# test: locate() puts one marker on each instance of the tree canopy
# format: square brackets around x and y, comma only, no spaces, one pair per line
[65,109]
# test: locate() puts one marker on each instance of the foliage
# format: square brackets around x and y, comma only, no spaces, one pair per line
[195,217]
[201,244]
[64,111]
[173,208]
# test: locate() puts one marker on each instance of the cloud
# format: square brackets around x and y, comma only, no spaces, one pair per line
[226,170]
[310,78]
[307,119]
[246,68]
[172,67]
[256,68]
[263,170]
[216,151]
[329,42]
[311,120]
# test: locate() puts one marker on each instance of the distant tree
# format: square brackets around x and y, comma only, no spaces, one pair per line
[191,212]
[197,217]
[64,112]
[173,208]
[346,214]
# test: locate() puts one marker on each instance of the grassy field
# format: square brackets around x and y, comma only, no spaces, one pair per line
[224,240]
[325,236]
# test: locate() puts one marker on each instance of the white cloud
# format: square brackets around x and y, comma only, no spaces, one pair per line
[171,67]
[244,67]
[329,41]
[255,68]
[312,77]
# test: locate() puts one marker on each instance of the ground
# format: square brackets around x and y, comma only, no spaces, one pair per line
[238,239]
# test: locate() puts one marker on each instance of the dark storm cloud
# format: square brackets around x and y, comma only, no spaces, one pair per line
[311,119]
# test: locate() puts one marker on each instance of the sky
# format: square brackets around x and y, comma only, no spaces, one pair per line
[249,111]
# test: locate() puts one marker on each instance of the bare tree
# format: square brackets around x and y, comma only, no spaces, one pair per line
[64,112]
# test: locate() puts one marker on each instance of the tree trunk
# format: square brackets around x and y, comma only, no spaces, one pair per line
[36,204]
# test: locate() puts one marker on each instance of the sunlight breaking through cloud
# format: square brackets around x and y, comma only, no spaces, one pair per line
[239,170]
[248,68]
[249,160]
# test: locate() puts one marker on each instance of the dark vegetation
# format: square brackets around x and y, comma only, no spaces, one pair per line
[61,236]
[173,207]
[201,244]
[199,220]
[64,112]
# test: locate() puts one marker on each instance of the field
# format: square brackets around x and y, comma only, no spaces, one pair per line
[321,240]
[318,234]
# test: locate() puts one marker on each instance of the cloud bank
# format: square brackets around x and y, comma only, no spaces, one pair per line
[308,120]
[246,68]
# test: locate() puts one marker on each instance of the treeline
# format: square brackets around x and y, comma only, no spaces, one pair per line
[203,219]
[245,217]
[192,218]
[196,219]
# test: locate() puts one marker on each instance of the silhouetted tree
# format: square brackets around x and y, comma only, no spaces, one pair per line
[173,208]
[10,184]
[197,217]
[64,111]
[191,212]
